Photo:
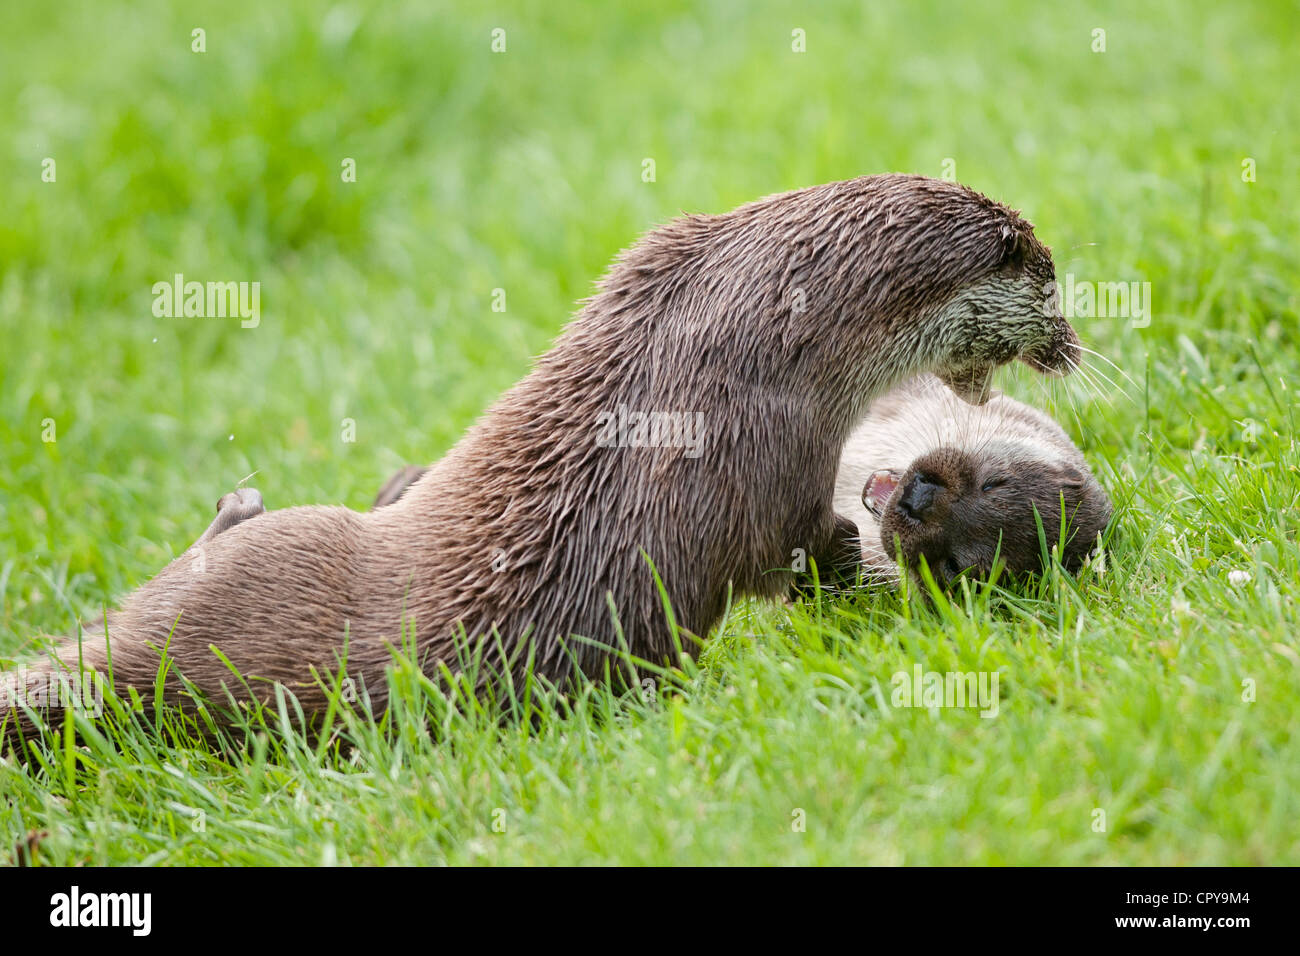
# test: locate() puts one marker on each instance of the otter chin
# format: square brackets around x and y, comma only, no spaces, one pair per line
[973,384]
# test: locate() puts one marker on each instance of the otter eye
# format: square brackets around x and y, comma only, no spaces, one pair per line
[993,483]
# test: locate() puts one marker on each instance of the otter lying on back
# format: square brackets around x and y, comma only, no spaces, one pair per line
[959,484]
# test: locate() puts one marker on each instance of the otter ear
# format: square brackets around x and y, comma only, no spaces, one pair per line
[1072,478]
[1014,247]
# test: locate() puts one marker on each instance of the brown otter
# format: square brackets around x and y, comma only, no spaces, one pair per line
[540,542]
[959,484]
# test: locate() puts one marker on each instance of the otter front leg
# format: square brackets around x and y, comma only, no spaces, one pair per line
[232,508]
[838,560]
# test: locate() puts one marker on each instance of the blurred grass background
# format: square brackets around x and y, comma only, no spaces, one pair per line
[522,170]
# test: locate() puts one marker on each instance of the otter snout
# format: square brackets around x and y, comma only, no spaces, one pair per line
[920,497]
[921,516]
[1059,355]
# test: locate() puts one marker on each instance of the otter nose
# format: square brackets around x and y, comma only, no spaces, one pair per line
[917,500]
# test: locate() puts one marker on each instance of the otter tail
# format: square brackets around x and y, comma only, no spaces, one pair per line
[36,696]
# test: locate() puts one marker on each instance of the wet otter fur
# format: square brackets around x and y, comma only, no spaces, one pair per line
[530,543]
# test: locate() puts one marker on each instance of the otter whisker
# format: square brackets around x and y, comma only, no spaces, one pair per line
[1049,387]
[1084,348]
[1109,381]
[1089,380]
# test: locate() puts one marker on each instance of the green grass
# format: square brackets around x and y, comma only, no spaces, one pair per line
[1121,691]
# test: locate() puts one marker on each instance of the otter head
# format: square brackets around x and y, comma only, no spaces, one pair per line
[1012,311]
[961,511]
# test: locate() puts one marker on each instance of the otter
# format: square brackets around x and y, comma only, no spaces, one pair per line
[540,545]
[928,478]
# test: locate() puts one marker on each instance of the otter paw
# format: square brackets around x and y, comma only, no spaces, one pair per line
[839,563]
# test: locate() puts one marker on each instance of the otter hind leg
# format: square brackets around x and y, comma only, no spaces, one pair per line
[244,503]
[234,507]
[396,486]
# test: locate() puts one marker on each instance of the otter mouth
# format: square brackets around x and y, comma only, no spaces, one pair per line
[1052,348]
[1060,355]
[878,490]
